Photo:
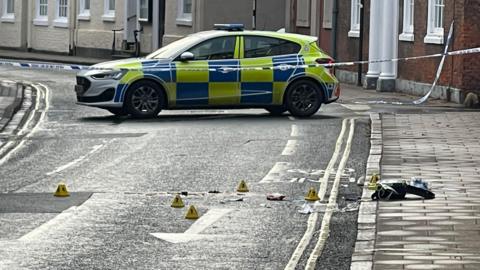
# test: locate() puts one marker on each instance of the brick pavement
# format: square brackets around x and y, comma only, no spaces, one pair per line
[443,233]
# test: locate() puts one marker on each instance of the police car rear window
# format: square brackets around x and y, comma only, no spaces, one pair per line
[258,46]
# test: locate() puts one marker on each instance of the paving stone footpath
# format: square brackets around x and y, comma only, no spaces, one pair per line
[443,233]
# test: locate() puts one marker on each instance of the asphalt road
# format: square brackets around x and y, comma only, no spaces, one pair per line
[122,173]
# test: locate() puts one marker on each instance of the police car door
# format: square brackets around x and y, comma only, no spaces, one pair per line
[211,78]
[262,79]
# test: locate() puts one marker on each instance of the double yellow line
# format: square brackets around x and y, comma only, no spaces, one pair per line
[332,201]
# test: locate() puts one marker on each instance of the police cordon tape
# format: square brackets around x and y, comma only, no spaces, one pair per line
[276,66]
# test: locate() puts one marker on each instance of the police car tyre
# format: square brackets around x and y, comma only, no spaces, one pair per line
[118,111]
[304,98]
[144,99]
[276,110]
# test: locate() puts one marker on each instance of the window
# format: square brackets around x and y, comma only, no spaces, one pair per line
[109,11]
[8,14]
[256,46]
[144,11]
[303,13]
[355,18]
[327,14]
[408,7]
[214,49]
[435,22]
[61,18]
[41,17]
[184,12]
[84,10]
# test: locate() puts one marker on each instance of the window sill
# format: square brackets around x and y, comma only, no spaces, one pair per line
[433,39]
[84,17]
[108,18]
[406,37]
[40,21]
[354,33]
[8,18]
[182,21]
[61,23]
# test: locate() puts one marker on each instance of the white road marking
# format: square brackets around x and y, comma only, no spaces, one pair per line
[95,149]
[276,173]
[289,148]
[331,163]
[332,201]
[291,118]
[49,225]
[295,131]
[27,123]
[302,245]
[312,219]
[193,233]
[356,107]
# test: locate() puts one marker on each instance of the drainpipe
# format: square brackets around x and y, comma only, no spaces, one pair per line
[334,29]
[72,27]
[360,46]
[254,15]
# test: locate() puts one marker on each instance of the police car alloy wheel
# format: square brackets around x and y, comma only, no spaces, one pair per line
[303,98]
[144,99]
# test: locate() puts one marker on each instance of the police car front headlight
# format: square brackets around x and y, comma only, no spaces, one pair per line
[112,75]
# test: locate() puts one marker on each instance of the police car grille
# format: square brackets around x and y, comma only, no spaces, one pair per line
[83,82]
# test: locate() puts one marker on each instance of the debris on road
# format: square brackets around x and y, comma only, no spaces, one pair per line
[213,191]
[306,209]
[234,199]
[351,207]
[275,197]
[361,181]
[398,190]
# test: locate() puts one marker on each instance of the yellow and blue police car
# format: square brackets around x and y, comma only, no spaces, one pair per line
[228,67]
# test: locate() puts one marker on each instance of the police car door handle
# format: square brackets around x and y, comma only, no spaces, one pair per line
[226,69]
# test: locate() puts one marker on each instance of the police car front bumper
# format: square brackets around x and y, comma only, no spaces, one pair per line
[97,93]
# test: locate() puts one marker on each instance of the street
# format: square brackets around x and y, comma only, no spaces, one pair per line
[123,173]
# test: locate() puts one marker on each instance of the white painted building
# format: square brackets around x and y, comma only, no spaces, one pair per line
[81,27]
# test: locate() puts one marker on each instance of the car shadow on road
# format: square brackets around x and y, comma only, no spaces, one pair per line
[203,117]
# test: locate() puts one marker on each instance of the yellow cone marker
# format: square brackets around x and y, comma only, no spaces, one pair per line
[177,202]
[372,185]
[191,213]
[312,195]
[61,191]
[242,187]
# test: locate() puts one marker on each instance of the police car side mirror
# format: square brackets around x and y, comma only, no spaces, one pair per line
[186,56]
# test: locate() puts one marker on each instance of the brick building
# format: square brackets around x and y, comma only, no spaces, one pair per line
[396,28]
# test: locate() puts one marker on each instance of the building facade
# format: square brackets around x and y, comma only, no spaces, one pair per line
[184,17]
[82,27]
[397,28]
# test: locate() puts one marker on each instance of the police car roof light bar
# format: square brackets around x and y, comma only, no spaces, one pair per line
[229,27]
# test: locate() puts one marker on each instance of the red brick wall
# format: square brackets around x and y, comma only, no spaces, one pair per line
[347,47]
[459,71]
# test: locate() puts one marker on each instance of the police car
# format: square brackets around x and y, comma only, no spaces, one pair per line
[228,67]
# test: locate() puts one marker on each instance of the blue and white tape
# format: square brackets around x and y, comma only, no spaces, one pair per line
[279,66]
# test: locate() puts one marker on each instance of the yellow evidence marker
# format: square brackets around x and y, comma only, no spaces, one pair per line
[192,213]
[312,195]
[242,187]
[177,202]
[372,185]
[61,191]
